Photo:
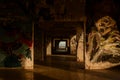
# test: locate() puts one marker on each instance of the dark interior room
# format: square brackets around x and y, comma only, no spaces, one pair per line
[59,39]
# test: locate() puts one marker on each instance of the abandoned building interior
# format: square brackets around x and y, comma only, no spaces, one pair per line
[59,39]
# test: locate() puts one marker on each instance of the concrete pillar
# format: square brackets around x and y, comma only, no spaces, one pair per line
[42,47]
[48,51]
[73,44]
[80,47]
[80,56]
[29,63]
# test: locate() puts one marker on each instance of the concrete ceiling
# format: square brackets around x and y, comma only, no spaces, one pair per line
[47,9]
[52,16]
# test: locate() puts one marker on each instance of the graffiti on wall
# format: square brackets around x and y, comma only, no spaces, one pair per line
[103,46]
[15,43]
[73,45]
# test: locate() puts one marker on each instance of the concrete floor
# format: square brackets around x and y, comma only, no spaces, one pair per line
[69,71]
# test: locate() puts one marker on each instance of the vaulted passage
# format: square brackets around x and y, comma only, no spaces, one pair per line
[60,43]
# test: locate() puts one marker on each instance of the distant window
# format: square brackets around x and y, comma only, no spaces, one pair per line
[62,44]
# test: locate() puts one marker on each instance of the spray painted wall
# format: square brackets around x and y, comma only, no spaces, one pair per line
[73,45]
[80,48]
[77,44]
[103,48]
[15,43]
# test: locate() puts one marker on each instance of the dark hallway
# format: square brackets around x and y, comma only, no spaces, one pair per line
[59,40]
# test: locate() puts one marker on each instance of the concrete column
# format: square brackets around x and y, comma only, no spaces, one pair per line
[43,46]
[48,46]
[49,49]
[29,63]
[80,47]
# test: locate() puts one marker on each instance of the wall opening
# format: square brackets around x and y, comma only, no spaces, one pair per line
[60,46]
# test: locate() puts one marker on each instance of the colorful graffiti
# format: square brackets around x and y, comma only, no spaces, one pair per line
[103,48]
[14,45]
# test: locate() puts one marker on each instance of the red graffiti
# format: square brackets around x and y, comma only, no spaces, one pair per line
[27,42]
